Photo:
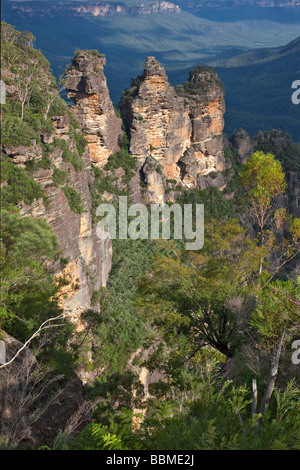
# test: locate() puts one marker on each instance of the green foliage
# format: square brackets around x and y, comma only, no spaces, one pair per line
[28,289]
[122,159]
[74,199]
[78,137]
[58,107]
[59,176]
[88,53]
[263,177]
[215,204]
[35,87]
[20,186]
[264,180]
[106,181]
[188,293]
[73,158]
[97,437]
[26,116]
[27,244]
[210,422]
[120,329]
[288,156]
[278,309]
[210,414]
[202,86]
[15,132]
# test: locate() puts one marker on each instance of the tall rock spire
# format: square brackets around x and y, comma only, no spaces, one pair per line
[86,85]
[175,134]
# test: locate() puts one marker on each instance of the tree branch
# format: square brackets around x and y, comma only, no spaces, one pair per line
[42,327]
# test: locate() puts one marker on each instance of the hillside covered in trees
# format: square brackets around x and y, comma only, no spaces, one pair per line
[142,344]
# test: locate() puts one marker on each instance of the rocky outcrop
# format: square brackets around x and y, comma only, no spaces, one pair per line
[158,124]
[110,9]
[86,85]
[243,144]
[176,135]
[204,96]
[277,138]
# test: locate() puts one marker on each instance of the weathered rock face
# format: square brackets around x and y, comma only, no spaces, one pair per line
[179,130]
[243,144]
[158,124]
[87,259]
[94,9]
[86,85]
[277,138]
[204,96]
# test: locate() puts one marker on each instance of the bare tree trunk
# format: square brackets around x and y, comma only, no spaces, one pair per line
[272,378]
[254,401]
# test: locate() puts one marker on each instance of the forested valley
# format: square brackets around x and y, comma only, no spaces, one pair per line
[142,344]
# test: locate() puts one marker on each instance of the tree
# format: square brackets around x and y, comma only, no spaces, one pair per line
[263,178]
[189,294]
[27,286]
[264,181]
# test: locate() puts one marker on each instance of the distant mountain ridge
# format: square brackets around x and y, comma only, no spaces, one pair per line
[261,97]
[234,3]
[260,56]
[185,4]
[94,9]
[136,7]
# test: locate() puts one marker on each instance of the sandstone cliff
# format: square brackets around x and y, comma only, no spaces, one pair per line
[175,135]
[86,85]
[84,260]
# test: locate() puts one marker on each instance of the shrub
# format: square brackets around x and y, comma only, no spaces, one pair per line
[59,177]
[74,199]
[73,158]
[20,187]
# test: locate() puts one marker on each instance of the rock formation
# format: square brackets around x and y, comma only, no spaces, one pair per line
[85,260]
[243,144]
[175,135]
[86,85]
